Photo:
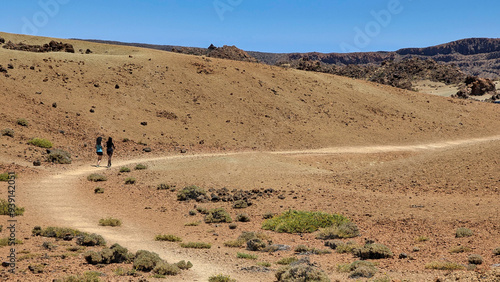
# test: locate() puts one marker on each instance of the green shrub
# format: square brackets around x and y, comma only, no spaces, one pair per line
[359,269]
[124,169]
[59,157]
[301,272]
[202,210]
[40,142]
[85,239]
[463,232]
[163,186]
[245,256]
[4,177]
[184,265]
[99,190]
[164,268]
[96,177]
[444,265]
[496,251]
[243,217]
[7,132]
[302,221]
[5,242]
[168,237]
[234,244]
[342,231]
[146,261]
[264,263]
[256,244]
[140,167]
[88,276]
[196,245]
[460,249]
[240,204]
[268,215]
[373,251]
[221,278]
[56,232]
[110,222]
[22,122]
[130,180]
[193,212]
[301,249]
[190,192]
[4,208]
[218,215]
[475,259]
[194,223]
[287,261]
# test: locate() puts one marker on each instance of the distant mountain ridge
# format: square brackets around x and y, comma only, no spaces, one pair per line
[474,56]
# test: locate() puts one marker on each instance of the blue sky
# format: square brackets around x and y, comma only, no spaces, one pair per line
[259,25]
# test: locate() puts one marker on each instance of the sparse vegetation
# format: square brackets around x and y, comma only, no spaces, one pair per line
[59,156]
[287,261]
[245,256]
[193,212]
[302,221]
[190,192]
[256,244]
[268,215]
[110,222]
[301,271]
[373,251]
[168,237]
[444,265]
[475,259]
[4,209]
[85,239]
[422,239]
[22,122]
[302,249]
[124,169]
[40,142]
[218,215]
[146,261]
[130,180]
[221,278]
[4,177]
[264,263]
[99,190]
[460,249]
[5,242]
[164,268]
[240,204]
[341,231]
[359,269]
[463,232]
[114,254]
[96,177]
[163,186]
[196,245]
[140,167]
[244,238]
[202,210]
[194,223]
[244,217]
[7,132]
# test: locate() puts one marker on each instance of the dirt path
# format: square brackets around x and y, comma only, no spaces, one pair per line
[53,198]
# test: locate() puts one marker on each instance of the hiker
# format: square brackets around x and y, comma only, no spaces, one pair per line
[110,147]
[98,148]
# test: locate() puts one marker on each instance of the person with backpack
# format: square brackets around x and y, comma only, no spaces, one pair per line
[98,147]
[110,147]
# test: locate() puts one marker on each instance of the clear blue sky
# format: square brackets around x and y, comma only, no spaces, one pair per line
[259,25]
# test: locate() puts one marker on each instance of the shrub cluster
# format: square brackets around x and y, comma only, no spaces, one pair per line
[114,254]
[359,269]
[40,142]
[59,157]
[168,237]
[301,270]
[4,208]
[293,221]
[190,192]
[218,215]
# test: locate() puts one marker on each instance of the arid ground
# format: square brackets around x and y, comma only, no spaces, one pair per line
[408,168]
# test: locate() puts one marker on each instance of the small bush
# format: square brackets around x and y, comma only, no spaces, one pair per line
[463,232]
[110,222]
[475,259]
[194,223]
[184,265]
[59,157]
[96,177]
[190,192]
[130,180]
[56,232]
[48,245]
[234,244]
[341,231]
[240,204]
[302,221]
[42,143]
[233,226]
[348,247]
[422,239]
[496,251]
[444,265]
[22,122]
[268,215]
[373,251]
[124,169]
[164,268]
[7,132]
[301,272]
[359,269]
[163,186]
[287,261]
[93,239]
[5,242]
[99,190]
[140,167]
[168,237]
[218,215]
[264,264]
[4,209]
[192,212]
[460,249]
[221,278]
[196,245]
[243,217]
[4,177]
[202,210]
[88,276]
[256,244]
[146,261]
[301,249]
[246,256]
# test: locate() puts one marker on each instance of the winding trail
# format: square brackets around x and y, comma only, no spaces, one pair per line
[53,199]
